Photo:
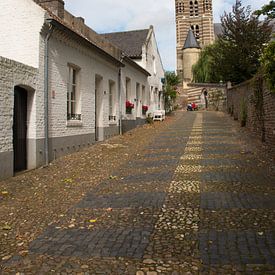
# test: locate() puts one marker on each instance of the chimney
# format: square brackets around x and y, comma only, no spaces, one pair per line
[55,6]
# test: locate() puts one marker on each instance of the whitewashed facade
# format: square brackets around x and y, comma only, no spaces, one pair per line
[74,83]
[151,61]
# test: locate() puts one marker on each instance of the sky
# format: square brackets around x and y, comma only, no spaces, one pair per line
[123,15]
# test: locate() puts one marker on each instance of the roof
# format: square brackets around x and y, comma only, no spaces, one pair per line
[191,41]
[130,42]
[77,27]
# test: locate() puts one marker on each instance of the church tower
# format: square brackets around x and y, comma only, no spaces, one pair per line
[197,16]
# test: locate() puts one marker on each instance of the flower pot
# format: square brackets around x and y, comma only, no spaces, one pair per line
[128,111]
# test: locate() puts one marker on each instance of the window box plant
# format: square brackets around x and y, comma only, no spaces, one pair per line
[129,107]
[144,109]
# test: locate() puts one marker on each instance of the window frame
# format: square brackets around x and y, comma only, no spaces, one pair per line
[73,93]
[111,101]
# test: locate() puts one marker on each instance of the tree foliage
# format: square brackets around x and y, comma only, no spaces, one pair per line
[235,56]
[170,94]
[268,65]
[267,10]
[205,69]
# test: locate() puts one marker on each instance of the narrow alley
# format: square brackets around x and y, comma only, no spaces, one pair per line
[188,196]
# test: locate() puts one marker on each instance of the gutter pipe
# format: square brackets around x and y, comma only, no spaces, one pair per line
[46,94]
[120,101]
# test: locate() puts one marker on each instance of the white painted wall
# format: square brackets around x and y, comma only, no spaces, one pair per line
[21,22]
[63,50]
[150,55]
[136,77]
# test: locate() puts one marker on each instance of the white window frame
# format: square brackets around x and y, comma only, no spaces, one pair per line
[73,94]
[111,99]
[128,88]
[154,65]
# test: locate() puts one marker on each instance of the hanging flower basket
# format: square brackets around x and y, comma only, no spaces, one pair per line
[144,109]
[129,107]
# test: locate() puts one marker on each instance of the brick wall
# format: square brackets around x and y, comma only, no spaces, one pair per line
[21,23]
[11,74]
[244,93]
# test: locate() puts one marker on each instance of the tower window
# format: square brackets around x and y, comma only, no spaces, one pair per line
[196,31]
[191,9]
[196,8]
[180,7]
[206,5]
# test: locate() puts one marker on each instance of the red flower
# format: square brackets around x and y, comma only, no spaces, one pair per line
[129,105]
[144,108]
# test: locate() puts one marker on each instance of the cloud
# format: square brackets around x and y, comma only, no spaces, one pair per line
[110,16]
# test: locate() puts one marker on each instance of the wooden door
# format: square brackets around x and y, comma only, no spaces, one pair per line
[20,129]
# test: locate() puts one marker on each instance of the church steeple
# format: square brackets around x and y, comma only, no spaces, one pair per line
[191,41]
[197,16]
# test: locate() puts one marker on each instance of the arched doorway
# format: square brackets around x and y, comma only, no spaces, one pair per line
[20,129]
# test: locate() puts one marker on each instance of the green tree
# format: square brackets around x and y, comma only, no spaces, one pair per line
[235,56]
[267,10]
[205,70]
[268,65]
[242,43]
[170,93]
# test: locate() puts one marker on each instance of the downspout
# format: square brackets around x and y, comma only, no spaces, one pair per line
[120,101]
[120,95]
[46,94]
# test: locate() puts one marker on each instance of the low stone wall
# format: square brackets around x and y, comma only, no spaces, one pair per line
[242,96]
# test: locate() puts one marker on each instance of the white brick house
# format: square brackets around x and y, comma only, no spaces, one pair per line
[141,47]
[65,81]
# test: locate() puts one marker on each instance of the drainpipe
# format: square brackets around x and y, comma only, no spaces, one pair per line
[46,94]
[120,101]
[120,95]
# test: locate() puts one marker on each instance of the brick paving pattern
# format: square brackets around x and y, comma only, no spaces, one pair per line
[193,201]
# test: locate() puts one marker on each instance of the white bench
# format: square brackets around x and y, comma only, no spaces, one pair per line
[159,115]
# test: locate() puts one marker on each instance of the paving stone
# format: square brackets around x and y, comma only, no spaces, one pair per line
[222,200]
[155,163]
[234,176]
[102,243]
[236,247]
[128,200]
[160,177]
[193,201]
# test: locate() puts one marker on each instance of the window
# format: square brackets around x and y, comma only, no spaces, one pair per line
[143,98]
[179,7]
[73,99]
[196,31]
[191,9]
[196,8]
[128,89]
[207,5]
[154,66]
[112,116]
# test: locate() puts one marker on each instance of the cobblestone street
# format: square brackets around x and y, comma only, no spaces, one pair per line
[192,199]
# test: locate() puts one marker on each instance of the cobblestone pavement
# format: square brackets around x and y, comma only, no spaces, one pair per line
[194,200]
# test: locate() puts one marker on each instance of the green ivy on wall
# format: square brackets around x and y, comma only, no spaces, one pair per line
[268,64]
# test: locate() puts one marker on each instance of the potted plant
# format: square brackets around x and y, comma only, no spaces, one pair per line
[129,107]
[144,109]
